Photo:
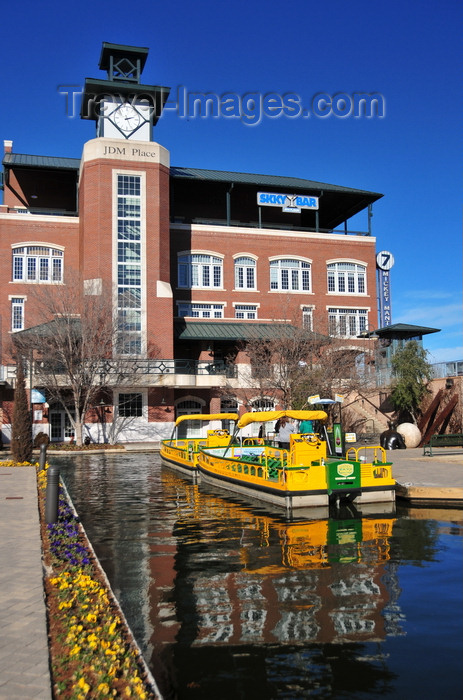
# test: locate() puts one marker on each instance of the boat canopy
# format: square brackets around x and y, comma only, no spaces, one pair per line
[264,416]
[207,416]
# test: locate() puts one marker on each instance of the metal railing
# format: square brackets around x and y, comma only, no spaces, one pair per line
[140,366]
[149,366]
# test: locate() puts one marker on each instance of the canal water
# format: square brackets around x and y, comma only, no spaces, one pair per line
[229,601]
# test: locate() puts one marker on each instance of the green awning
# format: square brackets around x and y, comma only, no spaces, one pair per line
[231,331]
[399,330]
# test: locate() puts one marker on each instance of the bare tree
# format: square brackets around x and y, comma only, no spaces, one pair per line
[74,349]
[21,435]
[299,362]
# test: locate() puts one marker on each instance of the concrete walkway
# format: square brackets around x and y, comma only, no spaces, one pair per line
[429,481]
[24,659]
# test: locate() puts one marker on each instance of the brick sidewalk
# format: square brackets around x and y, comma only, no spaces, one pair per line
[24,657]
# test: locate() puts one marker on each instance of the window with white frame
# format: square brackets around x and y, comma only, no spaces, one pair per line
[290,275]
[200,271]
[248,311]
[17,314]
[346,278]
[36,263]
[245,273]
[200,310]
[347,323]
[307,317]
[129,267]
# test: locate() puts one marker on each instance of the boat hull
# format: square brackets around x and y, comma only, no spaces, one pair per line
[182,454]
[258,474]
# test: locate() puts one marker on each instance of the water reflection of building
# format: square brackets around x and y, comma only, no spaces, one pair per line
[241,578]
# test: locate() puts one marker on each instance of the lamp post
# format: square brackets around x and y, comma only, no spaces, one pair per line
[102,406]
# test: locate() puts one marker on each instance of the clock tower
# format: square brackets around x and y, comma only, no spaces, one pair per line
[124,203]
[122,106]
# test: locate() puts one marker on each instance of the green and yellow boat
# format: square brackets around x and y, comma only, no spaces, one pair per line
[181,453]
[306,475]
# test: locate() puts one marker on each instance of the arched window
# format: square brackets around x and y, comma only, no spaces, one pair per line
[200,271]
[36,263]
[289,275]
[245,273]
[346,278]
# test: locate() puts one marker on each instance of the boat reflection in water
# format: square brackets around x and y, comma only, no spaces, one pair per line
[241,580]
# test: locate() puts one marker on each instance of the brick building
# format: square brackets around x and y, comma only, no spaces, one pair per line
[199,260]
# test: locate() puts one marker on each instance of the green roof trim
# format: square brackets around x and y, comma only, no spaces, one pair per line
[400,330]
[50,328]
[231,331]
[47,162]
[294,183]
[276,181]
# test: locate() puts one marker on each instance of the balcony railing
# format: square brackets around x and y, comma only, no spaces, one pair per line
[148,366]
[130,367]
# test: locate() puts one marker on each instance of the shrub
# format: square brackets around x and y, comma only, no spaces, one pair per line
[41,439]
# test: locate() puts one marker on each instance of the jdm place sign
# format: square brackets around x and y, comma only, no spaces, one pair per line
[291,203]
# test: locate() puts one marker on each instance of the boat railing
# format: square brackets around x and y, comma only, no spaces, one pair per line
[362,454]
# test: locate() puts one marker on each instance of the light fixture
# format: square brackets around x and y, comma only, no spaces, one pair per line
[163,401]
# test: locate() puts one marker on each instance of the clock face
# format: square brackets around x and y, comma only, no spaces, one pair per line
[127,118]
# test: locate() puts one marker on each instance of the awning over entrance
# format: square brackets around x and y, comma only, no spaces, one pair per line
[230,331]
[400,330]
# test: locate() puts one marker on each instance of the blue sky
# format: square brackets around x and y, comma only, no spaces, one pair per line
[408,52]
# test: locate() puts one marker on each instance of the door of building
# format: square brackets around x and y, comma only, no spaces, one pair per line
[61,429]
[189,429]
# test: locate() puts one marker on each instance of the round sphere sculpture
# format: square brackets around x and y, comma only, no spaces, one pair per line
[410,433]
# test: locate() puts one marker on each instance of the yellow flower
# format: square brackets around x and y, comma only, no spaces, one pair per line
[91,617]
[104,689]
[83,685]
[75,650]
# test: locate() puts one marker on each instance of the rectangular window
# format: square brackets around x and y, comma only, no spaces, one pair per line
[129,257]
[57,270]
[247,311]
[307,318]
[250,283]
[43,269]
[347,323]
[31,269]
[17,314]
[128,229]
[128,252]
[17,268]
[331,282]
[200,310]
[130,405]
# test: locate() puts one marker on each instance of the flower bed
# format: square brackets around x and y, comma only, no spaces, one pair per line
[93,654]
[72,447]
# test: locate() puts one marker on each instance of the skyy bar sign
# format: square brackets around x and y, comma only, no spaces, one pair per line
[292,203]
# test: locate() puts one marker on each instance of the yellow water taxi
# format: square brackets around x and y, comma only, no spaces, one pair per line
[181,453]
[304,476]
